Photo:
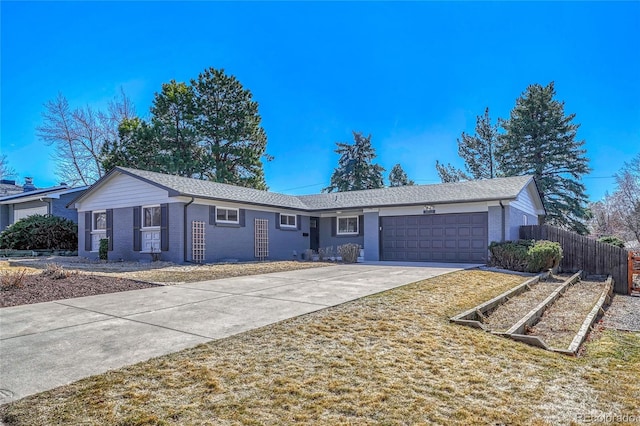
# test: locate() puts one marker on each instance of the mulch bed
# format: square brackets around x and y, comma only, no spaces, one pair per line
[506,315]
[562,320]
[39,288]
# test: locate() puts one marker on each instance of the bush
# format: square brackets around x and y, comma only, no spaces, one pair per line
[12,279]
[40,232]
[543,255]
[56,272]
[103,250]
[349,252]
[610,239]
[510,255]
[525,255]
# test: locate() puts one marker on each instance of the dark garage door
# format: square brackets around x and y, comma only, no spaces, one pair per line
[459,237]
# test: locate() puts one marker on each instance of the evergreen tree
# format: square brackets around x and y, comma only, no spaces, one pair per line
[137,146]
[355,169]
[228,125]
[398,177]
[448,173]
[173,123]
[477,151]
[540,140]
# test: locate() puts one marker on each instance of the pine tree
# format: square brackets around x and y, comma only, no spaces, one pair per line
[173,123]
[228,124]
[398,177]
[540,140]
[355,169]
[137,146]
[477,151]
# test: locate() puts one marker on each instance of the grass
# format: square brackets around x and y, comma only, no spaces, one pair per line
[392,358]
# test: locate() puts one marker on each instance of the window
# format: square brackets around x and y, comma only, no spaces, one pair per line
[348,225]
[288,220]
[225,215]
[99,221]
[150,216]
[525,219]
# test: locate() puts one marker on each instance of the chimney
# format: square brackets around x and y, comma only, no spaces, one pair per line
[28,185]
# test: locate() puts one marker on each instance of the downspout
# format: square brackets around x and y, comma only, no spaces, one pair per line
[185,228]
[502,232]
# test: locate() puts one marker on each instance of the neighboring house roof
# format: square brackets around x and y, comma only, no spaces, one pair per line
[38,194]
[459,192]
[9,189]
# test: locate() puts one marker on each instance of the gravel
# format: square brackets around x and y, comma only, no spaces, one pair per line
[623,313]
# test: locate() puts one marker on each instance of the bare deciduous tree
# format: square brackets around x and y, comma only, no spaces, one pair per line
[78,136]
[5,170]
[627,196]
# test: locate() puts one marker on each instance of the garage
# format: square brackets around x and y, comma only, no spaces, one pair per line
[26,212]
[456,237]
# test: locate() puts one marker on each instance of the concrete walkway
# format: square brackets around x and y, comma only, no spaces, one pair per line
[46,345]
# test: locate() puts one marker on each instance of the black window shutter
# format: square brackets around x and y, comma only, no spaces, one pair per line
[334,226]
[361,225]
[298,222]
[137,238]
[241,215]
[212,215]
[277,220]
[87,231]
[164,227]
[110,229]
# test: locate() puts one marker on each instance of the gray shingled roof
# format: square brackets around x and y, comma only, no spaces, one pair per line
[217,191]
[481,190]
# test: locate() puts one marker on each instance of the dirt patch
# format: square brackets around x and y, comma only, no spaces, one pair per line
[509,313]
[36,288]
[562,320]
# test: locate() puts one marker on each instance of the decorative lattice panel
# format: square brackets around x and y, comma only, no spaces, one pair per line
[261,238]
[197,241]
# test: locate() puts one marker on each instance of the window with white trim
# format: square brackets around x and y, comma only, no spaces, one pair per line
[288,221]
[98,228]
[347,225]
[227,215]
[151,216]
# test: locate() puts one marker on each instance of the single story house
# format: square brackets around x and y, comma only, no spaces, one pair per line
[32,201]
[190,220]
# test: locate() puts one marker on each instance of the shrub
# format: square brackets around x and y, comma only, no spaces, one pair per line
[349,252]
[610,239]
[543,255]
[325,253]
[40,232]
[12,279]
[56,272]
[510,255]
[525,255]
[103,250]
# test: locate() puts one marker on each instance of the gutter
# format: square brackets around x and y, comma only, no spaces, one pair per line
[502,231]
[185,228]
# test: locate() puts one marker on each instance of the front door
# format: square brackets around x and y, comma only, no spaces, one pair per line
[314,233]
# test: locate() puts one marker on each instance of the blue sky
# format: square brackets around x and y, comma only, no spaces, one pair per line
[413,75]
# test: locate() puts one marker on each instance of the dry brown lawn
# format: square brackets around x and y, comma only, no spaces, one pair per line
[392,358]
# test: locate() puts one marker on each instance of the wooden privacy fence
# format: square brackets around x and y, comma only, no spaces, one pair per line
[582,253]
[634,269]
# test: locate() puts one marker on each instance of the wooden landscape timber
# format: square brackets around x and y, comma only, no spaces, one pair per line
[474,316]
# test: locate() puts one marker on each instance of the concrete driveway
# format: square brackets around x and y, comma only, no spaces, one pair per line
[46,345]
